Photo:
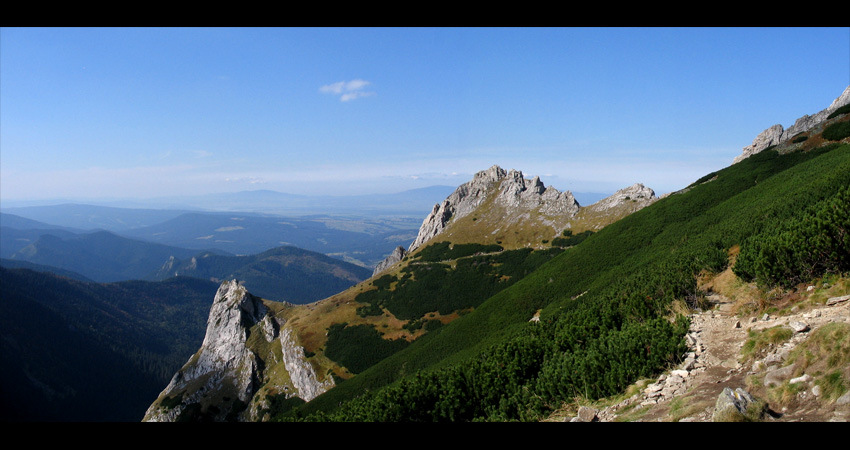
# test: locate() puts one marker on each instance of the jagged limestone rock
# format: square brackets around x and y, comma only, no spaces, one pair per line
[765,139]
[461,202]
[636,195]
[244,348]
[509,190]
[618,205]
[394,257]
[777,134]
[303,375]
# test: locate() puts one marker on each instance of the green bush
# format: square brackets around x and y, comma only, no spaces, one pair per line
[359,347]
[837,131]
[570,239]
[801,248]
[427,287]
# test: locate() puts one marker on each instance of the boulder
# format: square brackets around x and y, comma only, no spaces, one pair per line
[836,300]
[798,326]
[775,377]
[736,406]
[587,414]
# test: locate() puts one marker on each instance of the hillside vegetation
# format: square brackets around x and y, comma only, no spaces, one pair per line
[607,311]
[85,351]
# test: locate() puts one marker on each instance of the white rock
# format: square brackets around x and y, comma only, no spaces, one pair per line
[801,379]
[836,300]
[798,326]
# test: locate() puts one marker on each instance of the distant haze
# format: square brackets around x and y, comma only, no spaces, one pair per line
[111,114]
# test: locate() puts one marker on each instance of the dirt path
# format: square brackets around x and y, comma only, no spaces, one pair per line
[689,393]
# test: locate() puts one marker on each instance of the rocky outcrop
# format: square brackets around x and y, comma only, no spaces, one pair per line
[777,134]
[238,356]
[610,209]
[636,196]
[461,202]
[507,189]
[394,257]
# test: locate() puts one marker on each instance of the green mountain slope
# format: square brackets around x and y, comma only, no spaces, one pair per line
[605,306]
[81,351]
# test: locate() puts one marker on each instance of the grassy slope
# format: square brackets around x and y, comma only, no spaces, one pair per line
[742,199]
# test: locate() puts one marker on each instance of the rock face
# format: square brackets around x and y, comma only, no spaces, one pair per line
[238,356]
[396,256]
[507,189]
[777,134]
[636,195]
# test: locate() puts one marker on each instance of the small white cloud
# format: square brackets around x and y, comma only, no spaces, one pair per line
[335,88]
[347,90]
[249,180]
[354,95]
[201,153]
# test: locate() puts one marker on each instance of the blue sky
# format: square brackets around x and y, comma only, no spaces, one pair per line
[147,112]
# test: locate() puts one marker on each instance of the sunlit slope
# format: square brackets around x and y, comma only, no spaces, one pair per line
[655,252]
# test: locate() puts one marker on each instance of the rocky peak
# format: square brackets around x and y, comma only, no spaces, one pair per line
[508,189]
[777,134]
[229,366]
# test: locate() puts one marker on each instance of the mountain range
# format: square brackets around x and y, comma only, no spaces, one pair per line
[511,301]
[471,325]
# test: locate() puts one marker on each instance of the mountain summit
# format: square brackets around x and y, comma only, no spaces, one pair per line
[506,209]
[500,201]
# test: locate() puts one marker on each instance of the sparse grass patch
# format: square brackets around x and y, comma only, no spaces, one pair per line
[758,341]
[681,407]
[830,285]
[632,413]
[827,348]
[785,393]
[832,385]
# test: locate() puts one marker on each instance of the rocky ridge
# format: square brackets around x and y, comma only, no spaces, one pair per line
[514,193]
[245,352]
[610,209]
[507,209]
[777,134]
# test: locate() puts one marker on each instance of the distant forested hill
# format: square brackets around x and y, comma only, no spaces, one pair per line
[82,351]
[101,255]
[281,274]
